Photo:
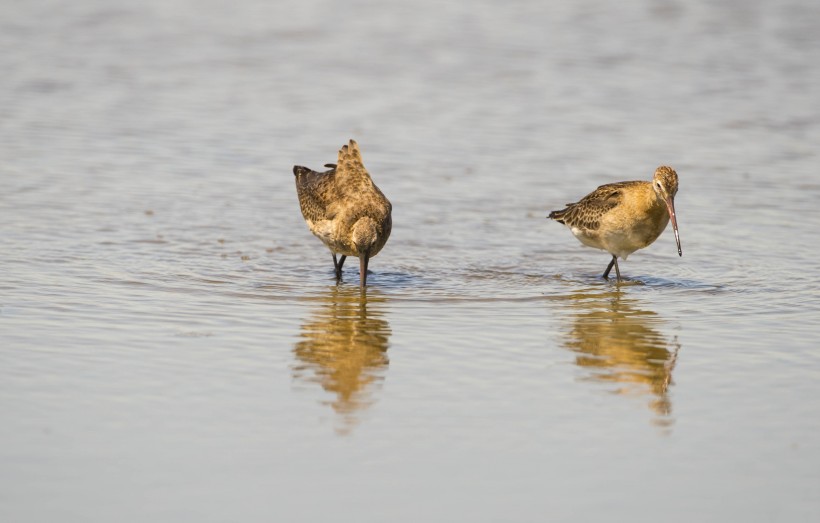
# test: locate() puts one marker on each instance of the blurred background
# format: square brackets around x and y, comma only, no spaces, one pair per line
[174,346]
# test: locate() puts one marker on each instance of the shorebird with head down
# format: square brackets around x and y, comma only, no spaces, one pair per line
[345,209]
[622,217]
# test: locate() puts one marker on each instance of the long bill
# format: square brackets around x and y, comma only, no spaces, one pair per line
[363,270]
[670,205]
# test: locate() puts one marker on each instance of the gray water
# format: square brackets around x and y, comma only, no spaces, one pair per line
[174,347]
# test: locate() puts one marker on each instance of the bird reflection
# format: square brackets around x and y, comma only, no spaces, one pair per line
[343,347]
[622,345]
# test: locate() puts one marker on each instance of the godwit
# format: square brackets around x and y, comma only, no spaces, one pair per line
[345,209]
[623,217]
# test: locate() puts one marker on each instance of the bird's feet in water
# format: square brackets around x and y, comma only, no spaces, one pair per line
[614,262]
[337,266]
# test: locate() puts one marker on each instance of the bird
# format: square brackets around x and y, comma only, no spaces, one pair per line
[345,209]
[622,217]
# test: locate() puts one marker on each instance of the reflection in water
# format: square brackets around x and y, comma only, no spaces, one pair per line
[343,347]
[621,344]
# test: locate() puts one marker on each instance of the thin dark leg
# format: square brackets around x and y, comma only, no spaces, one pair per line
[363,270]
[613,262]
[338,266]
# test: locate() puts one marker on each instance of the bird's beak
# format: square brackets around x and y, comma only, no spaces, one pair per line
[670,205]
[363,270]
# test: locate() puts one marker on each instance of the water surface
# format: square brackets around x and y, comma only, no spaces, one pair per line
[174,344]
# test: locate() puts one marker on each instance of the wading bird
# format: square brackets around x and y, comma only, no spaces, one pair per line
[623,217]
[345,209]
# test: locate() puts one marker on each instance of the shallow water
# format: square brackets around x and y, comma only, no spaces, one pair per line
[174,345]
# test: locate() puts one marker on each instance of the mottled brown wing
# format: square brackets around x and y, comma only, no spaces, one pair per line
[315,191]
[586,213]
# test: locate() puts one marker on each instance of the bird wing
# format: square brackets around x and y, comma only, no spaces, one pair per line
[587,212]
[316,193]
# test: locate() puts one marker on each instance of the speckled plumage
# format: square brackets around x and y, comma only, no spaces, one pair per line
[345,209]
[623,217]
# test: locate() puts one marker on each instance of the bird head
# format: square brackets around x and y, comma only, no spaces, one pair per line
[665,184]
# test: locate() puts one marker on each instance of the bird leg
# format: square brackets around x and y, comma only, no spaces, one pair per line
[363,269]
[614,262]
[338,266]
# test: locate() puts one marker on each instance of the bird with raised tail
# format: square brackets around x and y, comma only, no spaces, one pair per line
[344,208]
[622,217]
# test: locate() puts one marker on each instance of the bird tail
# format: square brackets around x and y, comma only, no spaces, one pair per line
[350,157]
[558,216]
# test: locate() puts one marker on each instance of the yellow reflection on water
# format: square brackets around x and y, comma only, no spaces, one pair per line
[343,347]
[624,345]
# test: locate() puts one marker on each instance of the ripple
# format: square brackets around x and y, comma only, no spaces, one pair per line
[162,300]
